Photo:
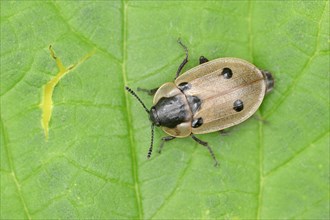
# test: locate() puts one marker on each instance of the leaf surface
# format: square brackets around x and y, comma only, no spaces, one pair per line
[94,164]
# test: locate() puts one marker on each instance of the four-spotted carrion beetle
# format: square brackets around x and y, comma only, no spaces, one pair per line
[210,97]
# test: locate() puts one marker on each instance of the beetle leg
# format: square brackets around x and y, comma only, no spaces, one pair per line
[185,59]
[164,139]
[203,59]
[224,132]
[205,144]
[269,80]
[148,91]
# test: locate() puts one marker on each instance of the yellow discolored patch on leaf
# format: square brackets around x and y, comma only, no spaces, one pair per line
[46,104]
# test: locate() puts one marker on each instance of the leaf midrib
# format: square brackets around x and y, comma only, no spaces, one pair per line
[261,131]
[128,113]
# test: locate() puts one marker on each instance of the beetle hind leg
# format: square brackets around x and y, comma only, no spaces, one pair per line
[148,91]
[203,59]
[205,144]
[259,118]
[225,132]
[164,139]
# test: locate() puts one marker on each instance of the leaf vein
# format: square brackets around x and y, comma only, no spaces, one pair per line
[129,117]
[302,72]
[82,37]
[261,170]
[286,162]
[12,170]
[175,188]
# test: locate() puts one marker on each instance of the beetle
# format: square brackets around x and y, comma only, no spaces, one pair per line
[212,96]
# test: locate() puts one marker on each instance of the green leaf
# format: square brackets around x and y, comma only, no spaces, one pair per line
[94,164]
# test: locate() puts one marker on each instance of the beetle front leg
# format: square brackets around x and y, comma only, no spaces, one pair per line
[185,59]
[205,144]
[203,59]
[148,91]
[164,139]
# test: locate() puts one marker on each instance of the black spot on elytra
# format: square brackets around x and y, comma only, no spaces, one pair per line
[227,73]
[238,105]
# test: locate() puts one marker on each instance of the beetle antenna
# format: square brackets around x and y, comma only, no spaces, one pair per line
[137,97]
[152,141]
